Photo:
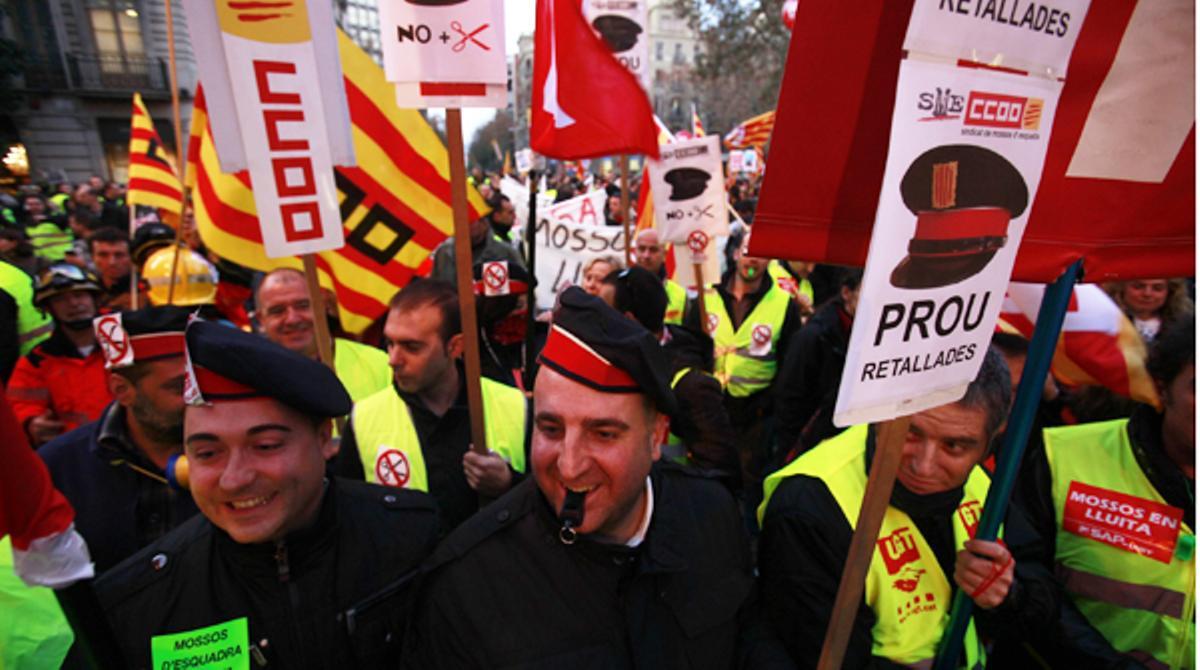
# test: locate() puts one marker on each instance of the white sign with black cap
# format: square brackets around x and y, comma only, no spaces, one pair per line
[687,183]
[624,27]
[956,195]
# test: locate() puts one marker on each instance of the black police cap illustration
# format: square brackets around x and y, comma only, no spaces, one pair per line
[619,32]
[964,197]
[687,182]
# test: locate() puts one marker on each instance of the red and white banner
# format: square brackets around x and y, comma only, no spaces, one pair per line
[273,82]
[1144,527]
[445,54]
[1118,186]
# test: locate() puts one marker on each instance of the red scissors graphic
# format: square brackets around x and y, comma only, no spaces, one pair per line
[468,37]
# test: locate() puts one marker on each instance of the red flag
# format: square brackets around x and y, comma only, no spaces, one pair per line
[1122,227]
[585,103]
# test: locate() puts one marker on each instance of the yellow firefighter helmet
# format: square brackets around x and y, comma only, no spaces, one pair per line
[195,278]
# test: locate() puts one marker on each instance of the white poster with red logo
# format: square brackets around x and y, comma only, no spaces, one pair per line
[445,54]
[1034,37]
[688,186]
[964,162]
[278,108]
[624,26]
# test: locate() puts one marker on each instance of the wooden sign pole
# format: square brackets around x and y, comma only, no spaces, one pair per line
[463,264]
[320,321]
[889,443]
[625,210]
[178,127]
[699,268]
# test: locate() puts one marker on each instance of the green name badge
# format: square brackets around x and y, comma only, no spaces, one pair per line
[224,646]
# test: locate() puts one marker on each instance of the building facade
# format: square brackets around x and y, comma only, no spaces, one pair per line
[674,48]
[82,61]
[360,20]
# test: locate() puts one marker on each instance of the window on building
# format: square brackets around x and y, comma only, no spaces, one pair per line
[117,31]
[658,51]
[678,59]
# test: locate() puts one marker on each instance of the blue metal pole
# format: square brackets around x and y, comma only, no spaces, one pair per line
[1029,393]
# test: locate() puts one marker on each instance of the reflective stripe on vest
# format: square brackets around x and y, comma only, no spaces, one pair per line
[676,302]
[745,361]
[905,585]
[1141,605]
[33,325]
[49,240]
[390,450]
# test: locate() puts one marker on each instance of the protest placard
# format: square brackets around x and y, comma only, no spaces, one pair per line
[688,186]
[624,27]
[567,235]
[965,158]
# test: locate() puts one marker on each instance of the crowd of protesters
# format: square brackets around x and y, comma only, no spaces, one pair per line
[665,489]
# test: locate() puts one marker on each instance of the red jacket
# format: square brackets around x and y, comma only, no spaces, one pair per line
[55,377]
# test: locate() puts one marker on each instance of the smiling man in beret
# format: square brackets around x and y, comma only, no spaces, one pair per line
[605,558]
[285,567]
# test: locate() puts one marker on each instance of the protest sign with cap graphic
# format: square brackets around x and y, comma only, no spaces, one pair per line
[623,26]
[687,182]
[952,209]
[964,196]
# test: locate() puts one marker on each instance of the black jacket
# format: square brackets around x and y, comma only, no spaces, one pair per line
[803,547]
[1073,641]
[807,384]
[504,592]
[335,595]
[702,421]
[118,509]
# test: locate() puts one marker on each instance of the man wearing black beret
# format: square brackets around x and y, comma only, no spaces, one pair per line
[285,568]
[113,470]
[604,559]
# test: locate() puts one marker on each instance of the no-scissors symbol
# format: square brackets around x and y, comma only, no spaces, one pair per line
[697,240]
[496,276]
[761,334]
[114,340]
[391,468]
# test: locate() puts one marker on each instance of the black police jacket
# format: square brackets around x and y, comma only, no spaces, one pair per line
[503,591]
[334,595]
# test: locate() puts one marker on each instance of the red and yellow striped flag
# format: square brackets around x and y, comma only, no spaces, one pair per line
[153,179]
[697,126]
[395,204]
[752,132]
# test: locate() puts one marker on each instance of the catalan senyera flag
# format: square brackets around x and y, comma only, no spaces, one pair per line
[697,126]
[153,179]
[395,205]
[1098,344]
[752,132]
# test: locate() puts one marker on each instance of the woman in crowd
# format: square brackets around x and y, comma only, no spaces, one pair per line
[1152,304]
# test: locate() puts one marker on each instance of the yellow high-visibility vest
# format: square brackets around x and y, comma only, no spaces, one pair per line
[906,587]
[33,325]
[676,302]
[1110,550]
[390,449]
[745,361]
